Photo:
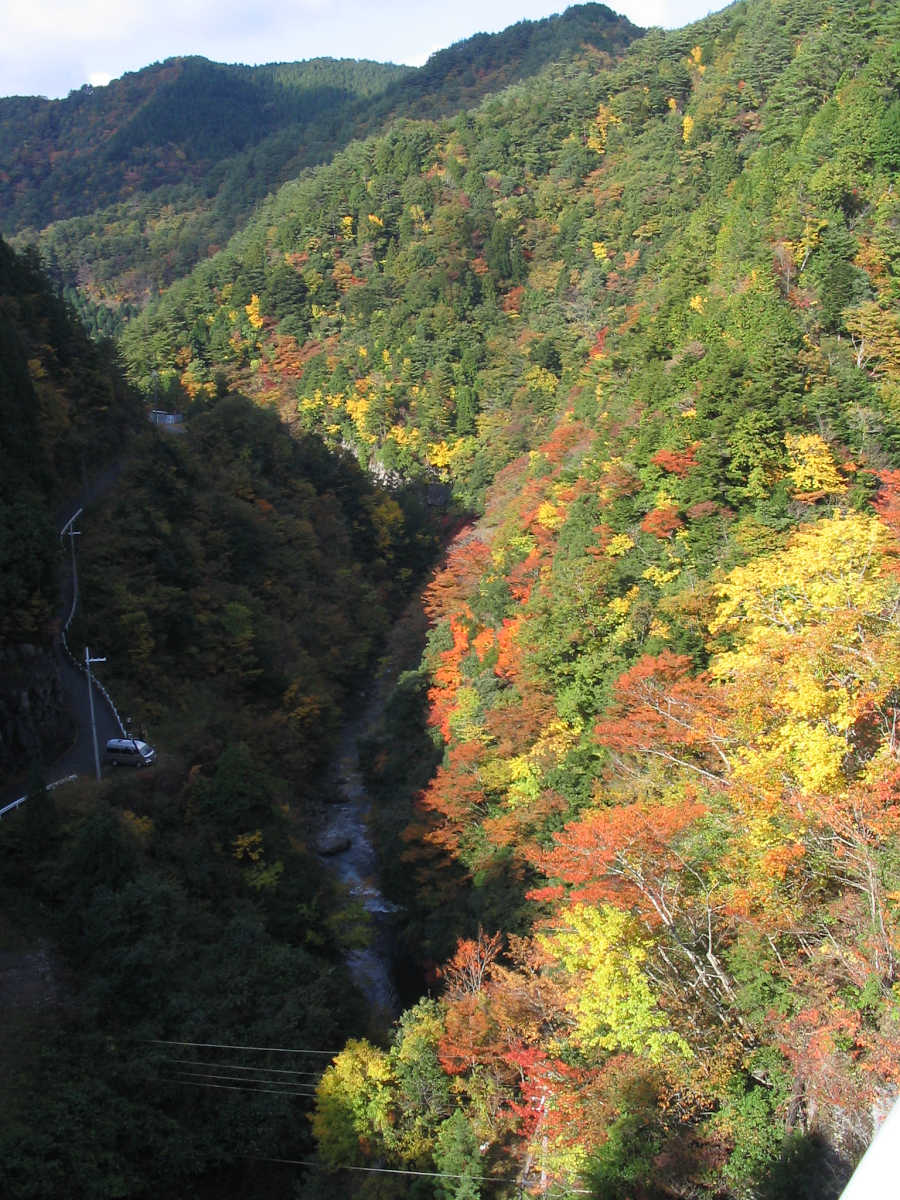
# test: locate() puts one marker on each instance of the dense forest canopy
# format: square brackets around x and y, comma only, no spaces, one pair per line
[238,581]
[64,405]
[638,804]
[180,153]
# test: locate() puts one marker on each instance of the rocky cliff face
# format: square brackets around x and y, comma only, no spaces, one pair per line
[34,721]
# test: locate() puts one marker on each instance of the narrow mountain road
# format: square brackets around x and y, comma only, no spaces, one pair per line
[78,759]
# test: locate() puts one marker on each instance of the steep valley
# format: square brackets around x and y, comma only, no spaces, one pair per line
[538,489]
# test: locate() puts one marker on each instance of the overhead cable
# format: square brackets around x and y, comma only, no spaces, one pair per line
[236,1067]
[225,1087]
[221,1046]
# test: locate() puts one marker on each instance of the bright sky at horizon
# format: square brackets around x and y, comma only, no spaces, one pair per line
[50,47]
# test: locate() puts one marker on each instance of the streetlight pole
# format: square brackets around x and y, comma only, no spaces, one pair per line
[87,666]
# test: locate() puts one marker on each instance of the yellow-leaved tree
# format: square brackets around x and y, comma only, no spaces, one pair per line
[605,953]
[811,683]
[814,629]
[353,1102]
[813,472]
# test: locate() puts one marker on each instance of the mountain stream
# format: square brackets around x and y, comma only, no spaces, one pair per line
[345,843]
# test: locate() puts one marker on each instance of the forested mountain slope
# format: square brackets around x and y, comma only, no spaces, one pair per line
[639,803]
[124,188]
[644,317]
[64,410]
[236,583]
[166,124]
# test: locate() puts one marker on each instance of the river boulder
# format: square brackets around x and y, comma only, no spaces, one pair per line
[333,843]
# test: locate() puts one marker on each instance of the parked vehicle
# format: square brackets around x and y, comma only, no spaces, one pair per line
[128,752]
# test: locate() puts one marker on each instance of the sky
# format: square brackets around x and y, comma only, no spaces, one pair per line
[50,47]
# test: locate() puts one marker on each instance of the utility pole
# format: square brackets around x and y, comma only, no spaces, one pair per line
[73,534]
[87,666]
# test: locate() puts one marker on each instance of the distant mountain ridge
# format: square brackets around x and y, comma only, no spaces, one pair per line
[124,188]
[162,125]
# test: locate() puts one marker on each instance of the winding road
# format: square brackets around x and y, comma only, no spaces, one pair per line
[78,759]
[345,839]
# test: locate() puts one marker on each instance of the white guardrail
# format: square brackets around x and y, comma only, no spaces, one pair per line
[67,529]
[21,800]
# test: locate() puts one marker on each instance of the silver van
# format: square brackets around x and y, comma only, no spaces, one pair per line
[128,752]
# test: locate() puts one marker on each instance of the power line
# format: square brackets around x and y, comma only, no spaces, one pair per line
[299,1162]
[241,1079]
[196,1079]
[221,1046]
[225,1087]
[236,1067]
